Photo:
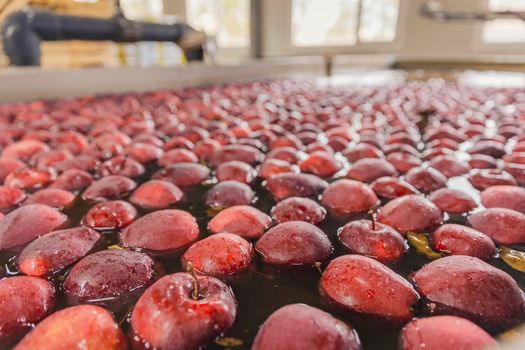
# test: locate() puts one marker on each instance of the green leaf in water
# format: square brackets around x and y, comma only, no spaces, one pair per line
[228,342]
[511,336]
[208,183]
[513,258]
[214,211]
[420,243]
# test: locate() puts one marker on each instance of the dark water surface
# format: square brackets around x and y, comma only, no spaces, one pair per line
[262,289]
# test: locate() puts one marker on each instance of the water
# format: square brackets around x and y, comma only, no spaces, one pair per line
[262,289]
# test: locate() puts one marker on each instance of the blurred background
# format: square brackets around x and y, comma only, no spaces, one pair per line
[238,30]
[99,46]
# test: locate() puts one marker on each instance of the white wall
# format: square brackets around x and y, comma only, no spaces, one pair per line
[423,36]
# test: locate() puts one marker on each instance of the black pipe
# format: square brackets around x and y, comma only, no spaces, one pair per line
[23,31]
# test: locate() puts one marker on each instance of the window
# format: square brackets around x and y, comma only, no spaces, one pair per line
[143,10]
[147,53]
[324,22]
[343,22]
[504,31]
[228,20]
[378,20]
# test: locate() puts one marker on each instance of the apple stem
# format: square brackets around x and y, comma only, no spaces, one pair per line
[373,216]
[317,266]
[195,294]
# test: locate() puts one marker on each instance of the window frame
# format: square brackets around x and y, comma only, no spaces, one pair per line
[271,36]
[482,47]
[225,54]
[279,45]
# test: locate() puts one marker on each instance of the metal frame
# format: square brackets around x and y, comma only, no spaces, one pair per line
[26,84]
[256,21]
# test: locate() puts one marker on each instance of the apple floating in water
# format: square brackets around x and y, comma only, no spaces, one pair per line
[373,239]
[182,311]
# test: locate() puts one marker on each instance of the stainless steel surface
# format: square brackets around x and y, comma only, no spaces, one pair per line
[25,84]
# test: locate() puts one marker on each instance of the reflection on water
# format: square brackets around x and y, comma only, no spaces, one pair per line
[492,79]
[461,183]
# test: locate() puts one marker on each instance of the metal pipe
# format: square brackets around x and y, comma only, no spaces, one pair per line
[433,10]
[23,31]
